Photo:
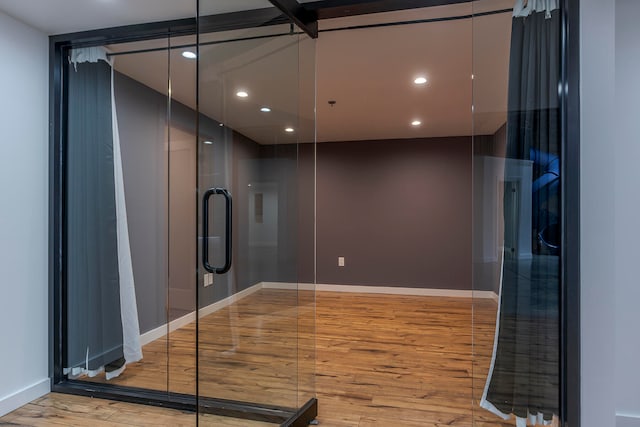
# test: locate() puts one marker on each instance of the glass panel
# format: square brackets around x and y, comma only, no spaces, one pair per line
[167,123]
[137,153]
[182,218]
[306,198]
[256,325]
[395,198]
[516,245]
[154,95]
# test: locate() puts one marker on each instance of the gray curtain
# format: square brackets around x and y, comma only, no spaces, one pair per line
[524,380]
[94,326]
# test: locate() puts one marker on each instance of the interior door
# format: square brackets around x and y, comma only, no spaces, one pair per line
[255,222]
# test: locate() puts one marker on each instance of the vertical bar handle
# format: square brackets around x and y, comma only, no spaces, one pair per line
[205,230]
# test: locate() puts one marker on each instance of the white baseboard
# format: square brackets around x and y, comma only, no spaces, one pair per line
[291,286]
[212,308]
[22,397]
[161,330]
[392,290]
[624,420]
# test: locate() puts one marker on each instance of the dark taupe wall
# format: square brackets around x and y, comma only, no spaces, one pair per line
[246,158]
[306,213]
[232,161]
[142,115]
[142,123]
[399,211]
[266,250]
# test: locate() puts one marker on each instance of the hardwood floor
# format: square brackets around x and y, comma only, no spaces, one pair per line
[386,360]
[381,360]
[257,350]
[67,410]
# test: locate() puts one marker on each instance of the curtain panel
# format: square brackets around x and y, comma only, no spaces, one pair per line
[524,374]
[102,320]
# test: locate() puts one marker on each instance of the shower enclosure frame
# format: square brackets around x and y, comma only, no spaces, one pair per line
[305,16]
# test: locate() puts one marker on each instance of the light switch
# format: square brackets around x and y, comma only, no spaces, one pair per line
[340,261]
[208,279]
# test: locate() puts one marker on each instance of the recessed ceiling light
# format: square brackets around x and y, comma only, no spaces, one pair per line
[416,123]
[420,80]
[220,124]
[208,142]
[265,109]
[242,94]
[289,129]
[189,55]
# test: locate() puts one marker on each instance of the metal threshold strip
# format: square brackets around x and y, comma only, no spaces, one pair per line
[286,417]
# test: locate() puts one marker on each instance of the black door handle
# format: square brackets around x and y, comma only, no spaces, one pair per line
[205,230]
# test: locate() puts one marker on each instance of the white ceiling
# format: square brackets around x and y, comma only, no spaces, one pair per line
[266,68]
[67,16]
[368,72]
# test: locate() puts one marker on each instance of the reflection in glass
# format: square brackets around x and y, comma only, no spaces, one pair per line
[517,232]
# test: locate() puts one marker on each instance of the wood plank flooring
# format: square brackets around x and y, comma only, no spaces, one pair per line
[386,360]
[256,350]
[381,360]
[66,410]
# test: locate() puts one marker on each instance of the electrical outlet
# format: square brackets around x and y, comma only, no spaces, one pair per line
[340,261]
[208,279]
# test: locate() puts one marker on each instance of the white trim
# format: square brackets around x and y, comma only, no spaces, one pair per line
[627,420]
[22,397]
[161,330]
[391,290]
[212,308]
[290,286]
[495,297]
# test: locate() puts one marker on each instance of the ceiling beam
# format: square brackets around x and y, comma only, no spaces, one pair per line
[305,19]
[327,9]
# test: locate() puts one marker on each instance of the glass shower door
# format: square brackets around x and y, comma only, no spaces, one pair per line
[255,318]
